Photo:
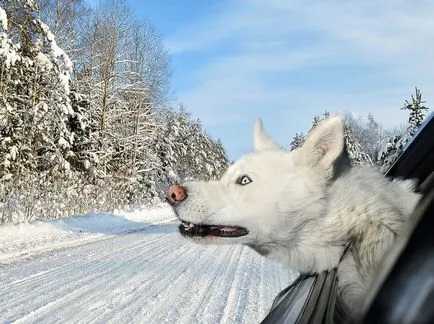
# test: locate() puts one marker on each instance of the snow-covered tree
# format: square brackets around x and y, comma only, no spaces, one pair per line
[297,141]
[393,146]
[368,132]
[416,110]
[188,152]
[207,157]
[40,118]
[67,21]
[35,107]
[391,150]
[354,149]
[356,152]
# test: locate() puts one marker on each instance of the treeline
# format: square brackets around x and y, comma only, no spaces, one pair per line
[368,142]
[86,116]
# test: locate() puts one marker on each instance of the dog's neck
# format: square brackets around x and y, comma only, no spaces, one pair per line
[347,218]
[315,247]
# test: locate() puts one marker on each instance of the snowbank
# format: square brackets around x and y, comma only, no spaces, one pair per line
[24,239]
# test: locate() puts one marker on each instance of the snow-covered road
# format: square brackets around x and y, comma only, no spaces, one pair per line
[146,273]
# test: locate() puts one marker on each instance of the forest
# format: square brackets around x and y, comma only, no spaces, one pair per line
[87,118]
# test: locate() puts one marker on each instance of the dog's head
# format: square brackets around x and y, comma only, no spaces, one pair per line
[267,196]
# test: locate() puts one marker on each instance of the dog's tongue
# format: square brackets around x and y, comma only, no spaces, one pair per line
[227,229]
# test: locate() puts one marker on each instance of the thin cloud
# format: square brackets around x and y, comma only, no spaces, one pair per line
[298,58]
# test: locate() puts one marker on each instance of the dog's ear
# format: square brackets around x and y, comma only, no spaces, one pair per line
[261,140]
[324,144]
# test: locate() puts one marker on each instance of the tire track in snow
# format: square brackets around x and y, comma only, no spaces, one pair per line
[74,264]
[87,275]
[153,276]
[85,295]
[234,296]
[212,311]
[166,271]
[201,285]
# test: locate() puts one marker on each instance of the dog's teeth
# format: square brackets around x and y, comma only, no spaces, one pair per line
[187,225]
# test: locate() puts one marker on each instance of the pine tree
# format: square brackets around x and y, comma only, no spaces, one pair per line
[37,114]
[186,152]
[393,147]
[368,132]
[391,150]
[35,103]
[355,151]
[297,141]
[417,111]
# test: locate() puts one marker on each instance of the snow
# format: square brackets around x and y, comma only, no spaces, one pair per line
[43,61]
[29,238]
[3,19]
[8,51]
[130,268]
[30,3]
[63,143]
[58,54]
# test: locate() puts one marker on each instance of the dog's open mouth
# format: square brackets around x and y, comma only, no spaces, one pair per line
[190,229]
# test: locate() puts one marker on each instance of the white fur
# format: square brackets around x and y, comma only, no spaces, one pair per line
[298,213]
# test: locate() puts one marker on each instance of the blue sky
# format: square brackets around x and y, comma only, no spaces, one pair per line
[285,61]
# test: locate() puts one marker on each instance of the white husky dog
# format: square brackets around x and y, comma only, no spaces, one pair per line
[294,208]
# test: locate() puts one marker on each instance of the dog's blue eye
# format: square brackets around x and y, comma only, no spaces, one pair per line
[243,180]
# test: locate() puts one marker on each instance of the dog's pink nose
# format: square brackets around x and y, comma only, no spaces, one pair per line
[177,193]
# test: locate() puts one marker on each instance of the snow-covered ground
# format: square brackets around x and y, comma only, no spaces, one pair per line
[129,268]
